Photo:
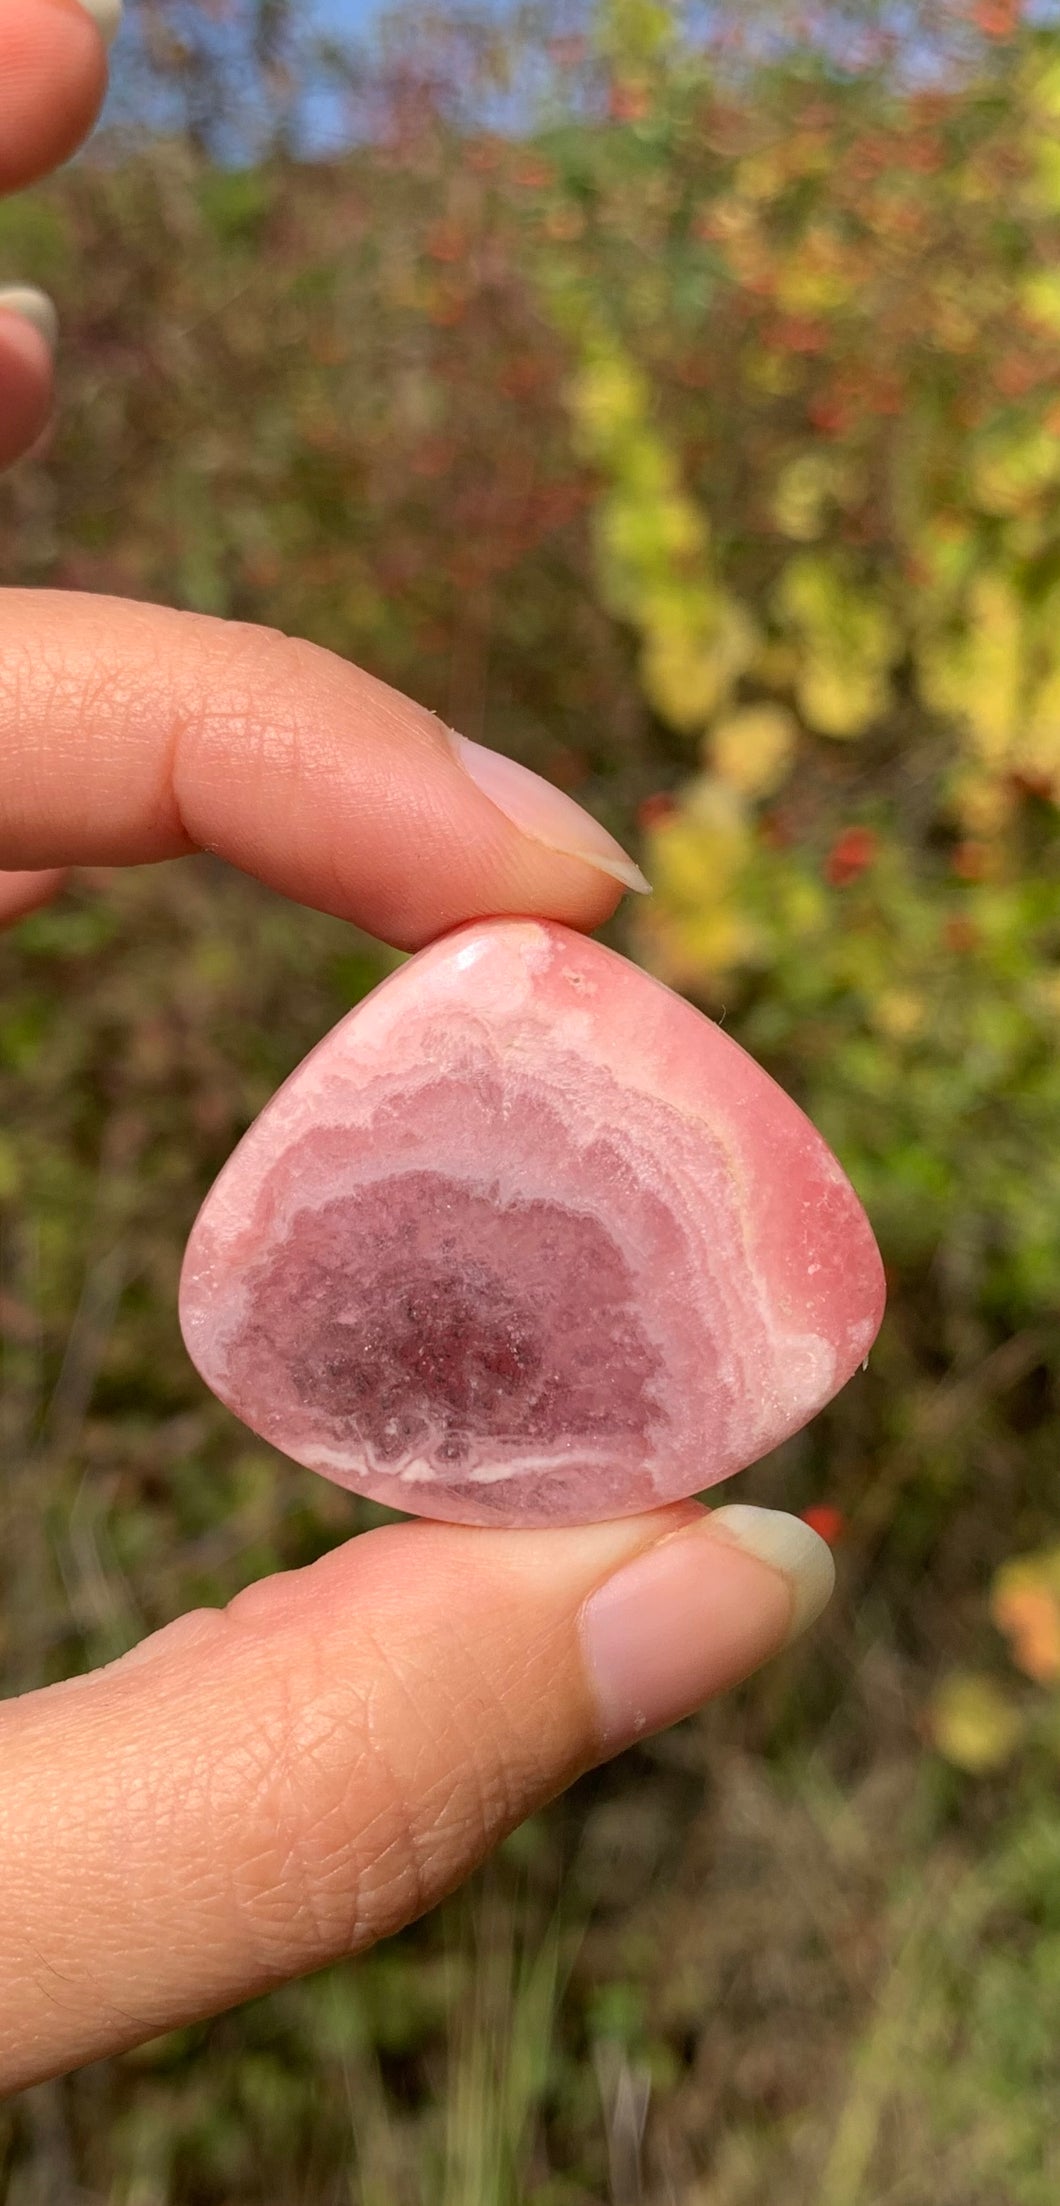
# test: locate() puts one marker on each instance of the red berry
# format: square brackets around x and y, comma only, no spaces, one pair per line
[828,1522]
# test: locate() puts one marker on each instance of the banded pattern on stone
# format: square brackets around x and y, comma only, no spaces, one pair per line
[528,1240]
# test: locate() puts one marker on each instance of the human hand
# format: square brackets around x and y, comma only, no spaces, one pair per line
[254,1792]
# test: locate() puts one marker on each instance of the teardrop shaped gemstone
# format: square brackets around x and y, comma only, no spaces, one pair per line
[528,1240]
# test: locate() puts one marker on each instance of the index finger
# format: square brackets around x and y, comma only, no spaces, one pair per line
[53,74]
[131,732]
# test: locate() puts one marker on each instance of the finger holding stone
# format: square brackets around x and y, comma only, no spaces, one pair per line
[132,732]
[22,893]
[28,330]
[258,1791]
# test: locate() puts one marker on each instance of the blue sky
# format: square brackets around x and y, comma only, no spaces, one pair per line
[324,117]
[345,15]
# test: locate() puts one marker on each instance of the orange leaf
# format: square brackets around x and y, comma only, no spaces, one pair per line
[1029,1616]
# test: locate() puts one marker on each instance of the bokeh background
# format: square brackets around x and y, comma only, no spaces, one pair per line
[670,398]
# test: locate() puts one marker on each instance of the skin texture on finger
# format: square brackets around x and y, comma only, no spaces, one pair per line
[130,733]
[256,1792]
[53,75]
[25,385]
[21,893]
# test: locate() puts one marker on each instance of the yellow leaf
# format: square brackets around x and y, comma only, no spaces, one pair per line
[803,491]
[644,533]
[688,665]
[683,678]
[804,908]
[804,288]
[978,675]
[653,545]
[609,395]
[1041,297]
[839,698]
[984,804]
[1011,468]
[848,642]
[974,1724]
[899,1013]
[697,853]
[694,930]
[696,949]
[760,176]
[634,30]
[1047,178]
[716,810]
[753,749]
[1040,87]
[1047,992]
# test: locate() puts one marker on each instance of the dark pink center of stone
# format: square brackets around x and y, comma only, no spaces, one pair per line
[422,1317]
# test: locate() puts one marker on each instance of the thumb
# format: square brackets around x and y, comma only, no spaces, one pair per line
[21,893]
[257,1791]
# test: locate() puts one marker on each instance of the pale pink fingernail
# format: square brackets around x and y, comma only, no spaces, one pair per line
[546,814]
[698,1612]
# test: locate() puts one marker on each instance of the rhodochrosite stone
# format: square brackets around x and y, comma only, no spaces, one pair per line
[528,1240]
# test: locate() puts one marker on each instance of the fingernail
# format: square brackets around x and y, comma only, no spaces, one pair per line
[107,14]
[698,1612]
[544,813]
[789,1545]
[34,307]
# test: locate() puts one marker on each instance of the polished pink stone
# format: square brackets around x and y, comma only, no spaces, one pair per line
[528,1240]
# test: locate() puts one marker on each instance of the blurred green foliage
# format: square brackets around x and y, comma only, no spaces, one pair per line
[695,439]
